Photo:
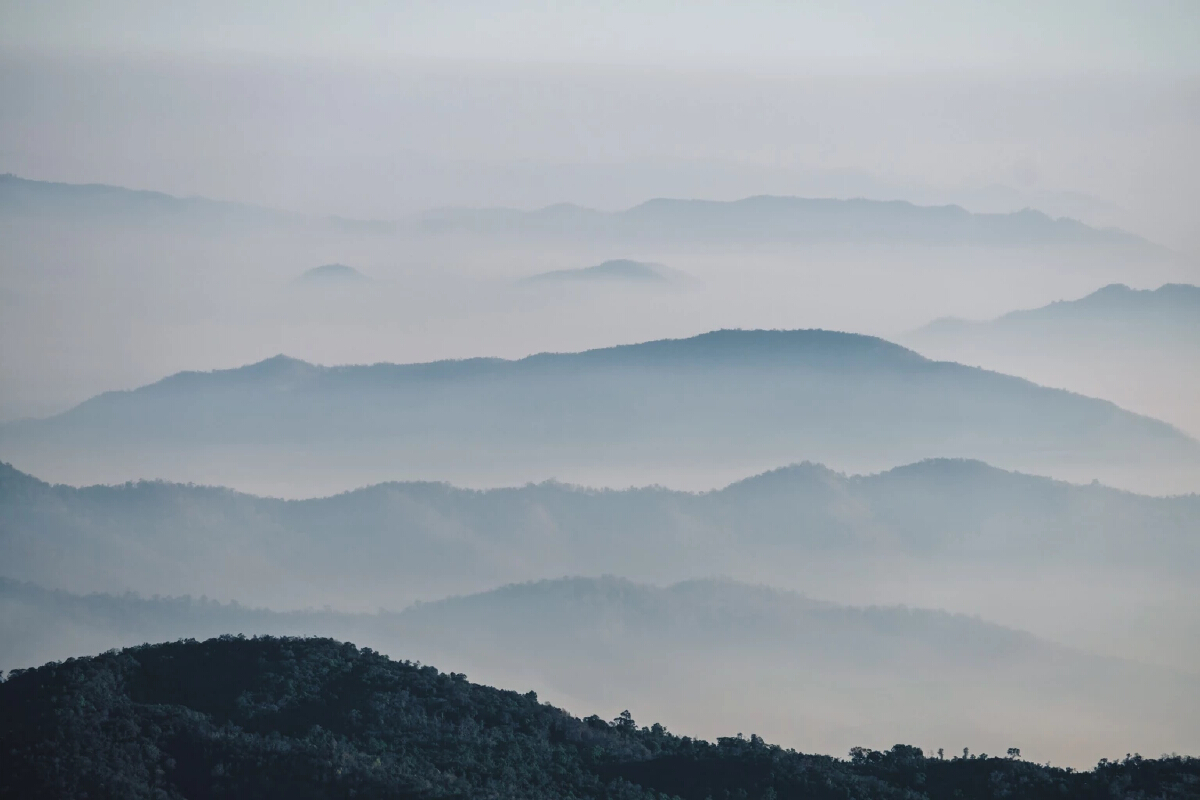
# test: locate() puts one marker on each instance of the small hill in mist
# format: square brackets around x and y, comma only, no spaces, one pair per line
[617,271]
[707,409]
[332,275]
[1136,347]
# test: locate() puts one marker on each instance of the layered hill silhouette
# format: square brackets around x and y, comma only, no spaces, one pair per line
[1134,346]
[801,671]
[696,412]
[959,535]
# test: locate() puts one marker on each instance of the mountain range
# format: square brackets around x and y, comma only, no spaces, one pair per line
[626,413]
[764,218]
[956,535]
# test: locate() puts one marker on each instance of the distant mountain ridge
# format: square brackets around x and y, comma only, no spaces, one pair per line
[106,204]
[762,218]
[1176,304]
[785,219]
[1137,347]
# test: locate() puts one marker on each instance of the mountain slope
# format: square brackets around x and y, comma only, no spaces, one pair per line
[603,643]
[627,413]
[1136,347]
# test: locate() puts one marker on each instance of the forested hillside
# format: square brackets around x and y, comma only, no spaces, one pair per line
[288,718]
[810,674]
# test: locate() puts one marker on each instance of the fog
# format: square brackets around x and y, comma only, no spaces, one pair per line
[427,289]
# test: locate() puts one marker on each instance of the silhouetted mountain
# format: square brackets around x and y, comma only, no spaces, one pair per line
[1138,348]
[314,718]
[959,535]
[615,271]
[696,411]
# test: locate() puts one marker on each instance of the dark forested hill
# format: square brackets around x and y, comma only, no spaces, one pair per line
[697,411]
[804,672]
[313,718]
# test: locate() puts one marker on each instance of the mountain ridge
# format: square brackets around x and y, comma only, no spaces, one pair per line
[889,219]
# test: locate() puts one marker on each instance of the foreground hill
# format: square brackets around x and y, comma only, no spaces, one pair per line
[803,672]
[696,412]
[1138,348]
[1117,569]
[314,718]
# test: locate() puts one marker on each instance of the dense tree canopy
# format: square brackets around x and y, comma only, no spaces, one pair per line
[313,718]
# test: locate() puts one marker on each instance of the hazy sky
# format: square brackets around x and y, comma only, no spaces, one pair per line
[1084,109]
[1151,35]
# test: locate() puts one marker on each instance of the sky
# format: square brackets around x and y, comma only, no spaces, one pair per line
[1075,35]
[374,109]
